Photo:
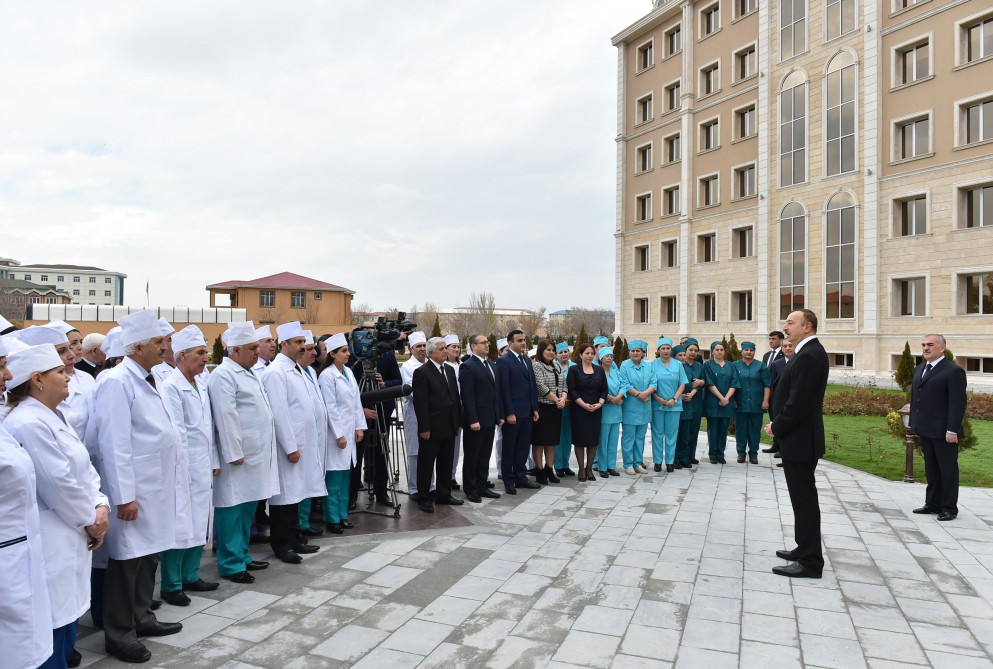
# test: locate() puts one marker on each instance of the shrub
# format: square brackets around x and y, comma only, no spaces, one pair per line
[862,402]
[980,407]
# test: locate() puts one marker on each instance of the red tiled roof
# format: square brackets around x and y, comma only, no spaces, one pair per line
[78,268]
[282,280]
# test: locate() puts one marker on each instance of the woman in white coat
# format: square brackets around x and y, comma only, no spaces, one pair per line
[186,400]
[73,511]
[25,608]
[341,395]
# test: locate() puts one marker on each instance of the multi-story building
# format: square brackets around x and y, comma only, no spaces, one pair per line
[285,297]
[829,154]
[84,284]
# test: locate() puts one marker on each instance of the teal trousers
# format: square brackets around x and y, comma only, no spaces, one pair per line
[179,566]
[233,527]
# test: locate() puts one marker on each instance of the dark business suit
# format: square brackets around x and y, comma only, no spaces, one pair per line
[937,406]
[798,407]
[771,356]
[439,412]
[775,371]
[85,365]
[519,396]
[480,388]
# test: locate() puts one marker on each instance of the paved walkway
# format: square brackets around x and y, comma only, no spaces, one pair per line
[638,571]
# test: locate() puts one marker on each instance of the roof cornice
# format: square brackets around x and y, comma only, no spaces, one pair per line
[650,20]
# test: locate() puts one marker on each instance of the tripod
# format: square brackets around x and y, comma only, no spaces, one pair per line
[376,446]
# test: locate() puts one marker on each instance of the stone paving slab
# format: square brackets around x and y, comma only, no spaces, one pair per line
[656,570]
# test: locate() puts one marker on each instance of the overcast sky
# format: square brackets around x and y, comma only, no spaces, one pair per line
[410,151]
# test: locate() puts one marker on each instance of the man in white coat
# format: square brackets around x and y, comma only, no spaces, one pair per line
[418,356]
[138,449]
[453,349]
[267,348]
[300,460]
[326,438]
[246,444]
[189,407]
[162,370]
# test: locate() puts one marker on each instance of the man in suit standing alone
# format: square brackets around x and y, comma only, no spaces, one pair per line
[520,404]
[937,408]
[439,415]
[480,390]
[798,426]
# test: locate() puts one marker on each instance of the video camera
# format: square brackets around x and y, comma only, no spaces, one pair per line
[369,345]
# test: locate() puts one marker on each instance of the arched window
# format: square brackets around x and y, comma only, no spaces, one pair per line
[793,129]
[792,258]
[839,256]
[840,113]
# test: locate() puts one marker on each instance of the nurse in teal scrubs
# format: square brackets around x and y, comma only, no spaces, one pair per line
[692,414]
[564,448]
[722,383]
[751,401]
[638,385]
[667,405]
[610,415]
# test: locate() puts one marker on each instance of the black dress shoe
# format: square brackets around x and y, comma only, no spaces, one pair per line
[769,450]
[351,506]
[694,461]
[134,653]
[289,556]
[335,528]
[312,532]
[927,509]
[159,629]
[426,506]
[75,659]
[670,468]
[531,472]
[605,474]
[489,493]
[155,605]
[676,465]
[455,485]
[489,484]
[714,461]
[239,577]
[510,490]
[658,467]
[779,464]
[687,464]
[175,597]
[947,515]
[451,501]
[347,525]
[256,565]
[786,555]
[385,501]
[796,570]
[613,472]
[201,585]
[529,485]
[778,454]
[753,461]
[475,499]
[306,549]
[567,472]
[722,461]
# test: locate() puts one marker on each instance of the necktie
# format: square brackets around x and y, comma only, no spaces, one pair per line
[486,363]
[151,380]
[927,370]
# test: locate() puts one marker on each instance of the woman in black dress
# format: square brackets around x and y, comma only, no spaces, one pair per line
[588,392]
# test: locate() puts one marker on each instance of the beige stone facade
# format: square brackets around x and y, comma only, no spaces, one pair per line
[855,188]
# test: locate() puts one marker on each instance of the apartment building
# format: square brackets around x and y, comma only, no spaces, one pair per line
[84,284]
[829,154]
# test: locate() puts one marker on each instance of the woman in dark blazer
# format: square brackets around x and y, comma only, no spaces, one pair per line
[550,383]
[588,393]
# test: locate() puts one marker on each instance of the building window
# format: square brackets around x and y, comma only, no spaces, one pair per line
[668,309]
[841,114]
[745,122]
[643,158]
[745,63]
[978,292]
[978,365]
[44,278]
[910,216]
[910,297]
[706,307]
[646,56]
[710,78]
[93,293]
[839,270]
[317,297]
[643,207]
[673,151]
[641,310]
[743,7]
[793,130]
[842,360]
[672,94]
[642,262]
[741,305]
[978,122]
[706,248]
[673,41]
[710,20]
[744,181]
[670,198]
[107,279]
[792,28]
[93,279]
[60,279]
[913,62]
[267,299]
[709,191]
[792,259]
[75,279]
[75,292]
[913,138]
[839,15]
[27,277]
[670,253]
[710,135]
[978,39]
[106,293]
[978,206]
[644,109]
[298,300]
[742,243]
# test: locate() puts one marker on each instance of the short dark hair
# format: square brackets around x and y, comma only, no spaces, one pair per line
[810,317]
[473,338]
[582,347]
[542,345]
[512,333]
[777,333]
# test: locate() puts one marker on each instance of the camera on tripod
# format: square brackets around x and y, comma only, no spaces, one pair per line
[369,345]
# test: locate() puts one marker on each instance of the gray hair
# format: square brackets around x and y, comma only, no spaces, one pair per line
[130,349]
[230,349]
[92,341]
[434,341]
[940,338]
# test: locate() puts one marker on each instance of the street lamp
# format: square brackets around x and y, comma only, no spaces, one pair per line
[909,434]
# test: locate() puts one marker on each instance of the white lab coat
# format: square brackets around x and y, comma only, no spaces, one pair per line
[341,396]
[409,417]
[458,435]
[189,408]
[25,607]
[161,372]
[325,430]
[68,494]
[139,456]
[293,414]
[74,408]
[242,429]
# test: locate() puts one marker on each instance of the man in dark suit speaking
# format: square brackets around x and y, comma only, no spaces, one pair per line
[798,426]
[937,407]
[482,413]
[439,415]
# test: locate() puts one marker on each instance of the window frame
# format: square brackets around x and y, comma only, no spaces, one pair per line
[897,126]
[666,196]
[637,310]
[825,111]
[667,144]
[739,114]
[793,120]
[841,31]
[748,231]
[738,14]
[897,218]
[854,244]
[736,77]
[709,128]
[805,222]
[648,46]
[700,244]
[667,95]
[701,309]
[263,294]
[712,9]
[665,254]
[298,299]
[702,190]
[642,258]
[735,307]
[960,213]
[963,26]
[675,32]
[638,198]
[640,164]
[782,26]
[704,72]
[961,127]
[898,55]
[639,107]
[961,291]
[736,172]
[665,310]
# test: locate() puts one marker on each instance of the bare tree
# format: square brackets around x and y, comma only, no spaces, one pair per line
[482,306]
[360,312]
[462,322]
[532,320]
[426,316]
[595,321]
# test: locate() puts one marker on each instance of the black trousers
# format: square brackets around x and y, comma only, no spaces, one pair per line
[435,456]
[516,449]
[477,445]
[806,512]
[369,455]
[284,526]
[941,464]
[127,594]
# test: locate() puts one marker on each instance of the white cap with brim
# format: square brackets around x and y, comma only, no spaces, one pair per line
[37,335]
[501,344]
[63,326]
[25,362]
[4,324]
[112,342]
[308,338]
[11,344]
[337,341]
[451,339]
[239,334]
[165,327]
[289,331]
[262,333]
[139,326]
[415,338]
[189,337]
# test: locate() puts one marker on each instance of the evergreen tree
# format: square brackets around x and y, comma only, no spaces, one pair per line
[731,350]
[621,352]
[436,330]
[217,354]
[905,370]
[494,353]
[581,339]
